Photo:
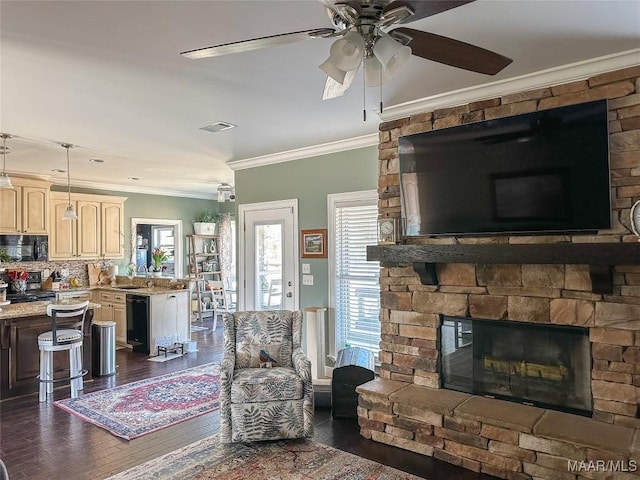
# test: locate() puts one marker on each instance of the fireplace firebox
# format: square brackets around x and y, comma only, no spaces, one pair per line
[543,365]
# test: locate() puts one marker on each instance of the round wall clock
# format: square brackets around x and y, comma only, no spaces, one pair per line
[635,219]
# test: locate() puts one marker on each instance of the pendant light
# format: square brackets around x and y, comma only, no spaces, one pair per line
[5,181]
[69,213]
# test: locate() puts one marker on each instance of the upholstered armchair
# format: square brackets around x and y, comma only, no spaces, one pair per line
[265,378]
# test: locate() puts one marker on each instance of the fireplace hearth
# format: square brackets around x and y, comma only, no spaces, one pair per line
[542,365]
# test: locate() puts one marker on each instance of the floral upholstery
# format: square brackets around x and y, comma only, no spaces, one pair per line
[264,403]
[266,385]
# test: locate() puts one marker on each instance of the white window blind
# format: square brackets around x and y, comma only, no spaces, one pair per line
[357,289]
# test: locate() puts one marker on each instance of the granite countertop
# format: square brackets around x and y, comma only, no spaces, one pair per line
[126,288]
[155,290]
[32,309]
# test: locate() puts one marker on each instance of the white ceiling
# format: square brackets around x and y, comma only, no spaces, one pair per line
[107,77]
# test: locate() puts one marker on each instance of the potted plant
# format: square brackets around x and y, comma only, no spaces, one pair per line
[205,223]
[158,256]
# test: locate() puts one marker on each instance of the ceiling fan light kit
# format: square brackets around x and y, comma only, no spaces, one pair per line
[366,28]
[346,52]
[373,72]
[332,71]
[391,53]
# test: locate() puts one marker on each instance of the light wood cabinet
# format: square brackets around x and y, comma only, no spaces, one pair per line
[112,229]
[88,234]
[113,308]
[62,238]
[25,207]
[169,319]
[98,232]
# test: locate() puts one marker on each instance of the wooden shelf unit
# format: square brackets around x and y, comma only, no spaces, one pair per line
[198,261]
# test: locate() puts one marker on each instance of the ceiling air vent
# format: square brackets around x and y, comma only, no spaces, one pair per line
[217,127]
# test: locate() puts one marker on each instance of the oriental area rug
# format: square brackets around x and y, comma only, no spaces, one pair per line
[282,460]
[138,408]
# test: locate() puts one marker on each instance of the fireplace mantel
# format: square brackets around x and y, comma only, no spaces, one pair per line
[600,257]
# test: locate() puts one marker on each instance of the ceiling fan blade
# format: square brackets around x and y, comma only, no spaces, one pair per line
[333,89]
[451,52]
[256,43]
[423,9]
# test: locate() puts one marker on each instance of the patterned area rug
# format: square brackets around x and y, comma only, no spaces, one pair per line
[283,460]
[138,408]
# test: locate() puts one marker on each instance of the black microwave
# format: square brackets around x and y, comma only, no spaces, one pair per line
[26,248]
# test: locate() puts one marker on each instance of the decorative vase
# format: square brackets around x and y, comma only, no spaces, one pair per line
[19,286]
[131,271]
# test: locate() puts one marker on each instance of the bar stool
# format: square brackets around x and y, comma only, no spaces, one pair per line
[67,331]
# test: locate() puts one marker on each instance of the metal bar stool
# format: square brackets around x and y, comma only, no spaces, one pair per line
[67,331]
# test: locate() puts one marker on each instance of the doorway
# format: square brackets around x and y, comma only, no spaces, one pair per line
[268,260]
[166,234]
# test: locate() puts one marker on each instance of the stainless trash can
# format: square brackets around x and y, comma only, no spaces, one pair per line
[103,344]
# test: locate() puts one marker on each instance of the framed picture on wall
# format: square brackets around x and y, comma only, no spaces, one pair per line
[314,243]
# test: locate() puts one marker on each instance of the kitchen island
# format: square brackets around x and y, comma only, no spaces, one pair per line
[20,325]
[146,316]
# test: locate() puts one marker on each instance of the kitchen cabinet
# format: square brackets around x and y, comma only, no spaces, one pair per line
[113,307]
[112,229]
[25,207]
[169,318]
[98,232]
[19,354]
[160,319]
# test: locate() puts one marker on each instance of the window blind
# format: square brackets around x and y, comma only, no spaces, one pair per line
[357,304]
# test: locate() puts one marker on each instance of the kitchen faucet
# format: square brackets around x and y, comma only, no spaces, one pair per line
[145,270]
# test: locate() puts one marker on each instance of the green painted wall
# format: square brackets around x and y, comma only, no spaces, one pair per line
[158,206]
[310,180]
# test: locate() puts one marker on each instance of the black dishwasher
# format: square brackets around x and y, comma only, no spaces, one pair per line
[138,323]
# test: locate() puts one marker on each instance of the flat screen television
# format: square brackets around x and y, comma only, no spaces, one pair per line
[541,172]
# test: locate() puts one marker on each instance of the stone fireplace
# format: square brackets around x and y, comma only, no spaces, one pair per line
[557,281]
[542,365]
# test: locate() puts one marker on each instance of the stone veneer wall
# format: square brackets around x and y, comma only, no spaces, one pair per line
[556,294]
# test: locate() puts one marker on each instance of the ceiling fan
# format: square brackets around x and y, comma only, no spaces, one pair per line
[365,36]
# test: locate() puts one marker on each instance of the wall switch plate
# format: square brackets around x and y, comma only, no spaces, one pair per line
[307,279]
[306,268]
[64,272]
[45,273]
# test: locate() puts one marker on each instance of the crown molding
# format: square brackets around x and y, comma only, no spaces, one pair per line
[531,81]
[306,152]
[132,189]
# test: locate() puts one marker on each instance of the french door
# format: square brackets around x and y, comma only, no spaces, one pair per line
[267,263]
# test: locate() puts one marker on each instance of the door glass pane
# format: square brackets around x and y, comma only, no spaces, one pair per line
[268,266]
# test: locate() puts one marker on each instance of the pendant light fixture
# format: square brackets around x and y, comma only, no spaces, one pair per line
[69,213]
[5,181]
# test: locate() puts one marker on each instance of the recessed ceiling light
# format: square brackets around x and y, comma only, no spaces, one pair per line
[217,127]
[58,170]
[96,160]
[134,178]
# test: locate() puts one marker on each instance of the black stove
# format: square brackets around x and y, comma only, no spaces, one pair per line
[34,291]
[31,296]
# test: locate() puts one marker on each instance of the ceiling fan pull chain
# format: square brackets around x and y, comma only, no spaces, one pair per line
[380,90]
[364,92]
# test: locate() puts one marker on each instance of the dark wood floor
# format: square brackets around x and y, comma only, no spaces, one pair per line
[40,441]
